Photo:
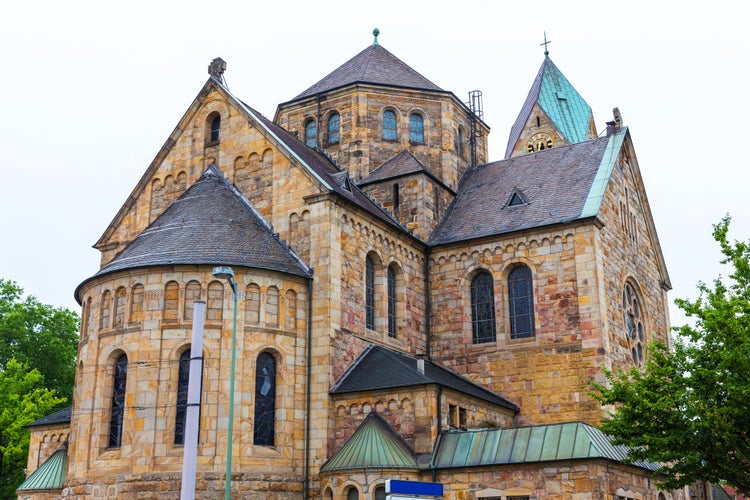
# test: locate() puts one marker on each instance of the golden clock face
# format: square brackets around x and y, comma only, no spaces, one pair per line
[538,142]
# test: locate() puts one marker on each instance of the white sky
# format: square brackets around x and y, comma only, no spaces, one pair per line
[92,89]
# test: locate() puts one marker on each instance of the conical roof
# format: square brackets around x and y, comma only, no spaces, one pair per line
[211,223]
[50,475]
[374,65]
[375,444]
[562,103]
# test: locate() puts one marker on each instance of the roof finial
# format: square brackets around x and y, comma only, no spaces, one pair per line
[375,33]
[546,52]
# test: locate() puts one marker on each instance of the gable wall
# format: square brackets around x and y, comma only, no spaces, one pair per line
[547,375]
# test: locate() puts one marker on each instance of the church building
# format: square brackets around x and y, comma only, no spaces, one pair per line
[400,306]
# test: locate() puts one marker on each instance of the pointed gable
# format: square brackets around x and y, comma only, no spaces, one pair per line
[374,65]
[560,101]
[403,163]
[212,224]
[374,444]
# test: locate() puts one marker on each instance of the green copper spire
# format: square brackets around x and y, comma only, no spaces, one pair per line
[375,33]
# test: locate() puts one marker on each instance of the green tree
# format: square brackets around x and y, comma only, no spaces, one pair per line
[23,399]
[689,409]
[40,335]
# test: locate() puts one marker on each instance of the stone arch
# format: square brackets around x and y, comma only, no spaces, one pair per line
[119,309]
[252,304]
[157,199]
[291,310]
[106,310]
[137,295]
[271,311]
[192,294]
[299,234]
[171,301]
[215,302]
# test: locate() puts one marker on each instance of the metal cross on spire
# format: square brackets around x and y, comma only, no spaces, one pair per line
[546,52]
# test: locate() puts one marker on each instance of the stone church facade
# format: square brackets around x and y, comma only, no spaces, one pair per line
[406,308]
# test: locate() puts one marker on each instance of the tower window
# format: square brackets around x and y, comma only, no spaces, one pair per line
[460,142]
[416,128]
[391,302]
[311,133]
[389,126]
[482,308]
[334,124]
[119,381]
[265,400]
[396,200]
[521,303]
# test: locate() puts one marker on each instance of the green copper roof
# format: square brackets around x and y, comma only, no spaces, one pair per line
[374,445]
[563,104]
[50,475]
[601,181]
[543,443]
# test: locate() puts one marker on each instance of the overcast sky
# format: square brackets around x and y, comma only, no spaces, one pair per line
[92,89]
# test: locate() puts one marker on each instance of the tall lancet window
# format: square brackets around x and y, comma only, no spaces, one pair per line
[265,400]
[482,308]
[117,413]
[183,374]
[521,303]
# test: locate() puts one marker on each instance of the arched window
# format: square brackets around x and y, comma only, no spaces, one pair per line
[380,493]
[521,303]
[265,400]
[252,304]
[334,123]
[120,295]
[352,494]
[416,128]
[311,133]
[389,126]
[106,310]
[291,310]
[171,300]
[460,142]
[391,302]
[192,294]
[272,306]
[183,374]
[482,308]
[215,302]
[116,414]
[369,293]
[136,304]
[215,128]
[633,317]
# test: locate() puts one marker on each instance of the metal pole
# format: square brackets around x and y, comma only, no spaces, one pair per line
[230,431]
[190,449]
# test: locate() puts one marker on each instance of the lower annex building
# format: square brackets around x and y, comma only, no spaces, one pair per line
[406,308]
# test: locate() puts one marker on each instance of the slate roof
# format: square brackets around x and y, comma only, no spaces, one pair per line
[541,443]
[211,223]
[58,417]
[566,108]
[381,368]
[50,475]
[375,444]
[402,163]
[559,184]
[374,65]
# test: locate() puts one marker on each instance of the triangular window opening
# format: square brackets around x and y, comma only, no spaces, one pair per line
[516,198]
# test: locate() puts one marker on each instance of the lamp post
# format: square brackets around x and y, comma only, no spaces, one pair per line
[227,272]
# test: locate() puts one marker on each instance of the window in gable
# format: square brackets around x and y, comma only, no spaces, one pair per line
[516,198]
[389,126]
[334,123]
[416,128]
[521,303]
[482,308]
[311,133]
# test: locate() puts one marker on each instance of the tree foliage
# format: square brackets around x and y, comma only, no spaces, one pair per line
[23,399]
[40,335]
[689,409]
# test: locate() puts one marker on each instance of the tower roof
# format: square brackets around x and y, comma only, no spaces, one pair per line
[562,103]
[211,223]
[374,65]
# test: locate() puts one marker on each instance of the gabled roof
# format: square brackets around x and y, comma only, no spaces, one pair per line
[50,475]
[58,417]
[380,368]
[556,184]
[375,444]
[401,164]
[542,443]
[374,65]
[211,223]
[568,111]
